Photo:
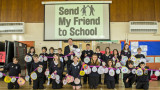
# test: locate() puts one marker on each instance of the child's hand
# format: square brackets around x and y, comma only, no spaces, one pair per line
[47,69]
[41,66]
[127,80]
[55,71]
[85,55]
[66,74]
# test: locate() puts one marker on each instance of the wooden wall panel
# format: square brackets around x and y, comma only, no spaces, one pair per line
[32,11]
[11,10]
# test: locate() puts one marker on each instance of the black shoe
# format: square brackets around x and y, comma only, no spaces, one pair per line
[95,87]
[91,87]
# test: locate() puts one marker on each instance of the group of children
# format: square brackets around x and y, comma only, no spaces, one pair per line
[56,65]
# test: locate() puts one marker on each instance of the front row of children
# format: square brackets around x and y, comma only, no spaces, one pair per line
[56,66]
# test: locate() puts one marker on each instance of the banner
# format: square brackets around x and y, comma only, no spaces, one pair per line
[2,57]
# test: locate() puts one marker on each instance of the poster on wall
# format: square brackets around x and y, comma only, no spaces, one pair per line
[157,59]
[149,59]
[82,20]
[2,57]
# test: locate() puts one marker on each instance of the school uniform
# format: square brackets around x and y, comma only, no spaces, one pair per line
[116,75]
[110,81]
[93,79]
[44,65]
[67,50]
[126,53]
[54,67]
[142,82]
[14,70]
[131,78]
[74,71]
[105,59]
[64,62]
[89,54]
[100,56]
[50,59]
[38,83]
[29,65]
[139,56]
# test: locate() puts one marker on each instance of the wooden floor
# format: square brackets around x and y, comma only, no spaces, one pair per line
[154,85]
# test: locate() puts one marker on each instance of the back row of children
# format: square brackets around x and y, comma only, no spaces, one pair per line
[73,68]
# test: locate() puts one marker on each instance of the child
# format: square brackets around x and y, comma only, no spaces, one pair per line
[139,55]
[61,55]
[126,51]
[51,54]
[30,53]
[142,81]
[14,70]
[110,80]
[74,71]
[86,53]
[57,68]
[38,83]
[99,54]
[44,50]
[116,58]
[94,76]
[129,78]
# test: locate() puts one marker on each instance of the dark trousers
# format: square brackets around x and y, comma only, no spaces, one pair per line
[129,83]
[100,79]
[29,71]
[116,76]
[85,78]
[142,85]
[13,85]
[110,84]
[55,85]
[38,83]
[93,81]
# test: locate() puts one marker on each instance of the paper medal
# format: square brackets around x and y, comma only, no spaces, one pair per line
[111,72]
[70,79]
[27,78]
[103,63]
[58,81]
[66,58]
[61,59]
[47,72]
[40,58]
[86,59]
[13,79]
[77,81]
[100,70]
[146,72]
[118,64]
[94,69]
[33,75]
[71,57]
[133,58]
[139,72]
[45,58]
[118,71]
[39,69]
[124,58]
[82,73]
[64,81]
[1,74]
[57,77]
[106,70]
[157,73]
[85,66]
[53,76]
[134,71]
[21,81]
[28,58]
[124,69]
[7,79]
[123,63]
[88,70]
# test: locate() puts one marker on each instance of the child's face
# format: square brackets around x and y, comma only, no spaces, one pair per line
[51,50]
[142,65]
[15,61]
[87,47]
[130,65]
[32,50]
[55,57]
[115,52]
[126,47]
[70,42]
[94,58]
[139,51]
[43,50]
[107,50]
[59,51]
[97,50]
[75,59]
[110,63]
[35,59]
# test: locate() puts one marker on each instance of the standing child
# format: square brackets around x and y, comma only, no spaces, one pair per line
[86,53]
[51,54]
[44,50]
[110,80]
[116,58]
[143,81]
[129,78]
[38,83]
[139,55]
[74,71]
[61,55]
[30,53]
[106,57]
[14,70]
[99,54]
[94,76]
[56,67]
[126,51]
